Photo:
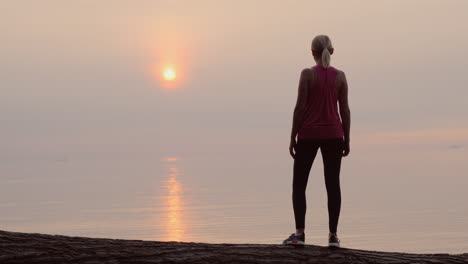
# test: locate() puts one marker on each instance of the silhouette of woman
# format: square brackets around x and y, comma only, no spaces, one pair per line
[317,124]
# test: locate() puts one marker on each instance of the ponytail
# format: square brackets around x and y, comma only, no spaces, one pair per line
[326,58]
[322,44]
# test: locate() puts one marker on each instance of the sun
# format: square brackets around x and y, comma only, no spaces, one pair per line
[169,75]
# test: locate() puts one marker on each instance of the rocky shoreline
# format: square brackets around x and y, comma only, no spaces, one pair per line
[50,249]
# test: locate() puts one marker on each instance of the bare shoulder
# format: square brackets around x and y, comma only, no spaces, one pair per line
[340,74]
[341,77]
[308,74]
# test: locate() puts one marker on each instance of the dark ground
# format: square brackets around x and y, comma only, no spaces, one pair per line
[49,249]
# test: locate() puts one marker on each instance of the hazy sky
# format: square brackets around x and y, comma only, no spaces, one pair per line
[88,123]
[84,77]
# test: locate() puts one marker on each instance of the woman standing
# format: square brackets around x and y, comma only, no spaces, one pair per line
[317,124]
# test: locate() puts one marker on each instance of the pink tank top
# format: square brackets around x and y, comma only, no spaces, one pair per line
[321,119]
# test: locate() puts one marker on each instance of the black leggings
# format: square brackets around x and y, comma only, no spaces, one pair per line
[306,150]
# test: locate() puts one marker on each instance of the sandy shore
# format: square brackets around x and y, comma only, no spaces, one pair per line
[40,248]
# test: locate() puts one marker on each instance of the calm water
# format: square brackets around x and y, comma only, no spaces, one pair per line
[234,196]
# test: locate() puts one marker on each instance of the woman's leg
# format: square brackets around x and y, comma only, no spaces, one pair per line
[331,153]
[305,150]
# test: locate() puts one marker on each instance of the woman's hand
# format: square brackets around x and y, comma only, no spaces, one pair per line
[291,147]
[346,148]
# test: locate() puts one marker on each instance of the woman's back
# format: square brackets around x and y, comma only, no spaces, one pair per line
[321,119]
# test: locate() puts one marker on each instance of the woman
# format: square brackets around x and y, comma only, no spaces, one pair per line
[317,124]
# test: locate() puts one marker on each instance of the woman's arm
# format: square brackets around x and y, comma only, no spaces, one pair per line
[345,112]
[299,109]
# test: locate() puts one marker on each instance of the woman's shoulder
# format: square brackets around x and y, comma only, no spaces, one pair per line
[340,78]
[340,73]
[308,73]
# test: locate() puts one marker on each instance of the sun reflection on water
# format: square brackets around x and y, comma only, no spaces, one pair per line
[173,203]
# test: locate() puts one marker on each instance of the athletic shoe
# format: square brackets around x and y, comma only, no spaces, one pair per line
[333,241]
[295,240]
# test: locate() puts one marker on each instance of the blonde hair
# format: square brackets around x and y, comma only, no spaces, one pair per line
[322,44]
